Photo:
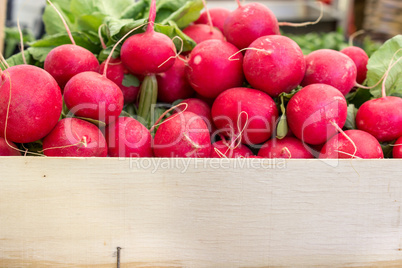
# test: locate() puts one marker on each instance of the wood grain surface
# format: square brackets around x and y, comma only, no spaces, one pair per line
[75,212]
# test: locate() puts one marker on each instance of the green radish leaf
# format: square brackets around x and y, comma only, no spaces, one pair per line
[351,117]
[181,12]
[125,114]
[90,22]
[135,11]
[93,121]
[82,39]
[282,128]
[172,30]
[17,59]
[108,8]
[378,65]
[359,97]
[387,150]
[130,80]
[53,23]
[176,102]
[39,53]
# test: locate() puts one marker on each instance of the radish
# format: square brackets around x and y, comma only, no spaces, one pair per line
[249,22]
[92,95]
[173,84]
[116,72]
[382,117]
[76,138]
[182,135]
[313,110]
[218,16]
[397,151]
[223,149]
[206,31]
[202,32]
[287,147]
[149,52]
[65,61]
[200,108]
[30,103]
[360,58]
[126,137]
[212,68]
[331,67]
[245,112]
[267,58]
[8,148]
[340,146]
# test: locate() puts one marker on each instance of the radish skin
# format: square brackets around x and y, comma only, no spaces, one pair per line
[339,146]
[287,147]
[245,112]
[218,17]
[210,71]
[397,151]
[249,22]
[312,109]
[76,138]
[265,61]
[225,151]
[7,148]
[327,66]
[126,137]
[182,135]
[34,106]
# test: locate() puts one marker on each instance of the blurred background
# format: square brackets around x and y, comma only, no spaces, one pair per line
[381,19]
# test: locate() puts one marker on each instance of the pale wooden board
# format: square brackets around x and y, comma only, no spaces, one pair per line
[298,213]
[3,11]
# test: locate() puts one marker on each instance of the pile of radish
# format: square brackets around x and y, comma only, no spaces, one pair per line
[223,84]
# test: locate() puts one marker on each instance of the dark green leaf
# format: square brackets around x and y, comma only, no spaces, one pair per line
[130,80]
[387,150]
[182,12]
[359,97]
[18,60]
[351,117]
[81,39]
[136,11]
[53,23]
[90,22]
[378,65]
[39,53]
[172,31]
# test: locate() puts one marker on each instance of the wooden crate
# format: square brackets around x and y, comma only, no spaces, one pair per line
[75,212]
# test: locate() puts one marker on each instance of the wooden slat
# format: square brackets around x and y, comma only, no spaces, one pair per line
[3,12]
[200,213]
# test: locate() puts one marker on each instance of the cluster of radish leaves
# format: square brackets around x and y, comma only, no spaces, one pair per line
[84,17]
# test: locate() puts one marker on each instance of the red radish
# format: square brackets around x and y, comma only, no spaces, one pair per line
[245,112]
[199,107]
[360,58]
[65,61]
[249,22]
[223,149]
[312,111]
[116,72]
[173,84]
[9,149]
[30,103]
[218,17]
[92,95]
[126,137]
[287,147]
[202,32]
[182,135]
[397,151]
[205,99]
[76,138]
[340,146]
[331,67]
[381,117]
[212,68]
[267,58]
[150,52]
